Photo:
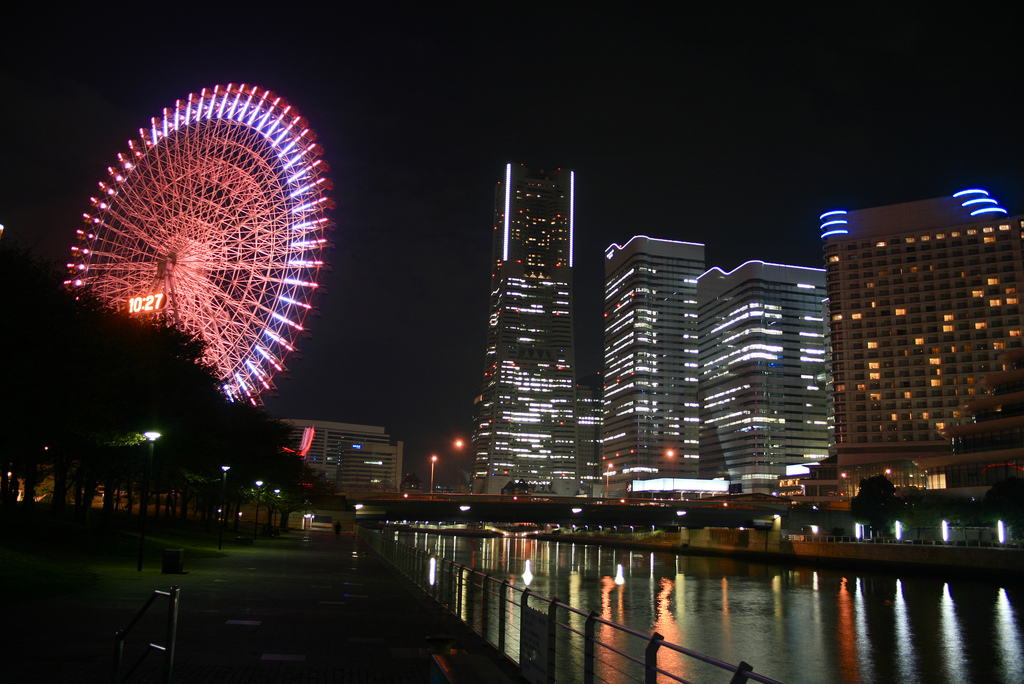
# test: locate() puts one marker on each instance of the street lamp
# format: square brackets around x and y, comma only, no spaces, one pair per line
[256,522]
[223,486]
[607,473]
[144,504]
[433,460]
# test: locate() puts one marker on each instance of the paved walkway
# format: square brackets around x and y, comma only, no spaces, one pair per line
[308,608]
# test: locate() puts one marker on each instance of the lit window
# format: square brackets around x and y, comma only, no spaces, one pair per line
[936,382]
[873,365]
[993,281]
[995,302]
[980,325]
[918,340]
[977,293]
[901,312]
[947,317]
[972,231]
[947,328]
[1015,333]
[909,239]
[855,316]
[1011,300]
[935,361]
[880,243]
[990,238]
[988,229]
[872,345]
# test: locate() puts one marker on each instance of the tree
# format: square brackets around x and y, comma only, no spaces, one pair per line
[1005,501]
[876,503]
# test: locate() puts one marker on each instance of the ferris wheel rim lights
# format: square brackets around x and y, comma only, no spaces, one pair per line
[276,168]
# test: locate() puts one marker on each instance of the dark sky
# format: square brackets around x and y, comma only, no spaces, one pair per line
[734,126]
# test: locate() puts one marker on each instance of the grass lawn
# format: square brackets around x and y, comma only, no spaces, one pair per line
[44,555]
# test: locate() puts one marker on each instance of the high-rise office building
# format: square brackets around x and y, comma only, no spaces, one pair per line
[650,361]
[763,364]
[354,457]
[923,298]
[525,415]
[589,418]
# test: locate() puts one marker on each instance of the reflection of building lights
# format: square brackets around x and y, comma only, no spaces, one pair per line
[619,579]
[527,575]
[433,571]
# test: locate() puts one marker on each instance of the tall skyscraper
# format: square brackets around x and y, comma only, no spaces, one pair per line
[525,415]
[763,380]
[923,298]
[650,361]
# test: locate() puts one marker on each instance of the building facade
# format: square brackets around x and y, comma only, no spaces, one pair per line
[589,418]
[988,444]
[650,427]
[354,457]
[923,297]
[763,380]
[525,425]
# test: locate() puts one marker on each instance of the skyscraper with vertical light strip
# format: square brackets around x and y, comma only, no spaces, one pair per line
[525,416]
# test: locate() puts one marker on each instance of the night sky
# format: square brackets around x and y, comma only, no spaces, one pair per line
[734,126]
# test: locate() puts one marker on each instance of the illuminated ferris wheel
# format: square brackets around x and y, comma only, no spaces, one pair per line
[215,219]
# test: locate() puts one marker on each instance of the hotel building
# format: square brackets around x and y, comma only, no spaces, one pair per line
[763,373]
[525,425]
[924,297]
[650,428]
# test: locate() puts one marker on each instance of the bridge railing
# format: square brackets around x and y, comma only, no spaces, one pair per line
[550,640]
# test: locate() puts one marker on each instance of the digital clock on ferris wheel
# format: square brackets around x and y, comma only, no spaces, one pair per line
[147,303]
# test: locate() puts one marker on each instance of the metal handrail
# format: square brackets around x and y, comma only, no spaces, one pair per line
[453,582]
[168,649]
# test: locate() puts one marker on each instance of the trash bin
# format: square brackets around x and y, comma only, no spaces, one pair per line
[174,561]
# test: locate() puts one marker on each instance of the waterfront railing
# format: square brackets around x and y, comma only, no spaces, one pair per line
[549,640]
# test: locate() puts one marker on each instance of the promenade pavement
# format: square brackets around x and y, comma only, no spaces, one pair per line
[308,608]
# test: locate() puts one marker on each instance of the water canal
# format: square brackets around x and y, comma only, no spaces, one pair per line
[794,624]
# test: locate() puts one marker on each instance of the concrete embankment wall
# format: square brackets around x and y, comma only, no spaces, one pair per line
[988,560]
[769,544]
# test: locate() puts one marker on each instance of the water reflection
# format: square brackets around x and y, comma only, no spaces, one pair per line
[793,624]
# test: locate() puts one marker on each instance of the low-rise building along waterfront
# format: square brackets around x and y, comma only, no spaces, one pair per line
[354,457]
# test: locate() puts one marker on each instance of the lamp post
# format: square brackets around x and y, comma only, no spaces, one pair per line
[672,473]
[273,511]
[433,460]
[223,486]
[458,459]
[256,521]
[144,504]
[607,474]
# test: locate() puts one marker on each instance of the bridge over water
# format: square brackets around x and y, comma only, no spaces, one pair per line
[466,508]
